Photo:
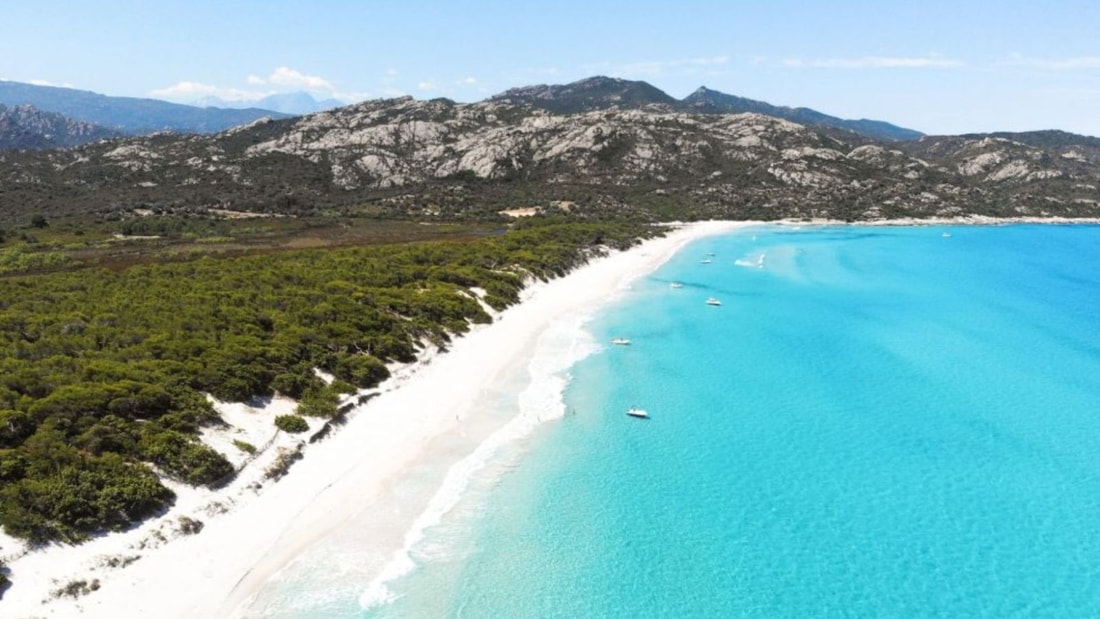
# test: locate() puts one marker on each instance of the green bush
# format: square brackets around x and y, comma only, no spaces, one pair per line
[244,446]
[185,458]
[292,424]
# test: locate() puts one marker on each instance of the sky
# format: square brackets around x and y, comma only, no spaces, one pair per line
[938,67]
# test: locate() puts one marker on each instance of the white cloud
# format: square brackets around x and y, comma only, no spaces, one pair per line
[391,72]
[282,79]
[187,92]
[285,76]
[932,61]
[1053,64]
[186,89]
[49,83]
[466,81]
[426,86]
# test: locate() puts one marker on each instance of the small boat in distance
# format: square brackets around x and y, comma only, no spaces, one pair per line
[620,341]
[946,235]
[640,413]
[713,301]
[675,285]
[705,261]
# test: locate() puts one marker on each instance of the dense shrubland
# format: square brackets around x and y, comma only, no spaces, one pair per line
[103,373]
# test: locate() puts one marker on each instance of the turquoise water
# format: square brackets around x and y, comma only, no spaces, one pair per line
[876,422]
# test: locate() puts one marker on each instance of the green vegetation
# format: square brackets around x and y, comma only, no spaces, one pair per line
[77,588]
[291,424]
[103,372]
[244,446]
[283,462]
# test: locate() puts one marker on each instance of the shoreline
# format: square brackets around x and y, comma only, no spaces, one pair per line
[219,570]
[213,573]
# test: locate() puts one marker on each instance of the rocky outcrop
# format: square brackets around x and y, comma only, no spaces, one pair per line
[403,157]
[26,127]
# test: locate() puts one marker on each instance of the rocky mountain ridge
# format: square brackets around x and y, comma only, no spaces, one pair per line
[600,92]
[26,127]
[441,160]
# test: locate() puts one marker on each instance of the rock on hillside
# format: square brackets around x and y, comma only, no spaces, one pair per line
[25,127]
[439,159]
[593,93]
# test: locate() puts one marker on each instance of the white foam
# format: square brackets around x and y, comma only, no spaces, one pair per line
[562,345]
[756,261]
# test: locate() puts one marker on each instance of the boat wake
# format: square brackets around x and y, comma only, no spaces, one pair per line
[756,262]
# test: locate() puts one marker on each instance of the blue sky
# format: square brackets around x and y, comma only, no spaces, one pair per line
[939,67]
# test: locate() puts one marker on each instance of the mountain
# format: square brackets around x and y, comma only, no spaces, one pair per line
[26,127]
[601,93]
[707,101]
[594,93]
[292,103]
[440,160]
[129,115]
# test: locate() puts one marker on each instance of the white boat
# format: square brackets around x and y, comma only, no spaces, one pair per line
[946,235]
[713,301]
[620,341]
[675,285]
[706,261]
[640,413]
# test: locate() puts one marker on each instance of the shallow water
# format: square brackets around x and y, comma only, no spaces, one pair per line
[875,422]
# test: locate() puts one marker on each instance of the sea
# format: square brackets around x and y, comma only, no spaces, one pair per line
[874,422]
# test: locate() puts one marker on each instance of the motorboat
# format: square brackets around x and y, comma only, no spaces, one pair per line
[675,285]
[640,413]
[620,341]
[713,301]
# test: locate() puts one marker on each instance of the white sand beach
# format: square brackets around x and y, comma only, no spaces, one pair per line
[214,573]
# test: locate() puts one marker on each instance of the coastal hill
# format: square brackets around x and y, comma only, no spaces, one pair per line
[587,95]
[709,101]
[26,127]
[128,115]
[601,93]
[625,151]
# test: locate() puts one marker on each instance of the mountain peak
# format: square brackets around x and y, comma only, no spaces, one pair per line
[601,92]
[592,93]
